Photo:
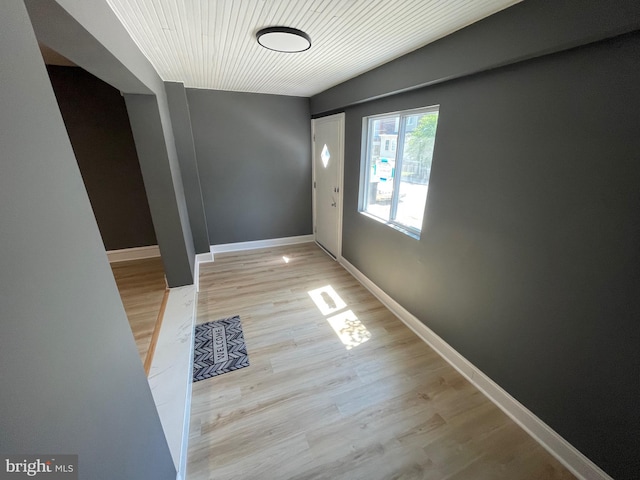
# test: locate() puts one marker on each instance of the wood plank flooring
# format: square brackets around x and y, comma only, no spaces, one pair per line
[142,286]
[338,388]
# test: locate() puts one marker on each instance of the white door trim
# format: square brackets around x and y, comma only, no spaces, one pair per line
[315,122]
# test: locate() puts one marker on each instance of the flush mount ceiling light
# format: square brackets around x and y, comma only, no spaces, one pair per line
[284,39]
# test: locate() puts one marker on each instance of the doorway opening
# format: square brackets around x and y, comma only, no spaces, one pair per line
[97,123]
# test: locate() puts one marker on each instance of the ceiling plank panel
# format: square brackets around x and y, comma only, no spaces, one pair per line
[211,43]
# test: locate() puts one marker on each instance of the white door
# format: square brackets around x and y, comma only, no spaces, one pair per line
[327,182]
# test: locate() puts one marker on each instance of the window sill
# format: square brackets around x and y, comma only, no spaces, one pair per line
[395,226]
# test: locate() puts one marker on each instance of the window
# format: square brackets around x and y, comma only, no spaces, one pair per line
[395,182]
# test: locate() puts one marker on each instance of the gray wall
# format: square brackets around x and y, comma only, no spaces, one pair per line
[96,119]
[89,34]
[181,122]
[528,262]
[254,158]
[166,199]
[72,381]
[526,30]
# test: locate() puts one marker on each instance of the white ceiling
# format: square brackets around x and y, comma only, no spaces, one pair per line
[211,43]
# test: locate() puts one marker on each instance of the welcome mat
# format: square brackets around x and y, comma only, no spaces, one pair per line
[219,348]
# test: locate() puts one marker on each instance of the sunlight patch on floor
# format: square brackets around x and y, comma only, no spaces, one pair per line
[349,329]
[327,300]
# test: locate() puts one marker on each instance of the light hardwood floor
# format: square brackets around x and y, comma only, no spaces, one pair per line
[142,287]
[378,404]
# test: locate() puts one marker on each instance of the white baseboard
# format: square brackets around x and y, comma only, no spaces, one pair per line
[567,454]
[204,257]
[200,258]
[136,253]
[273,242]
